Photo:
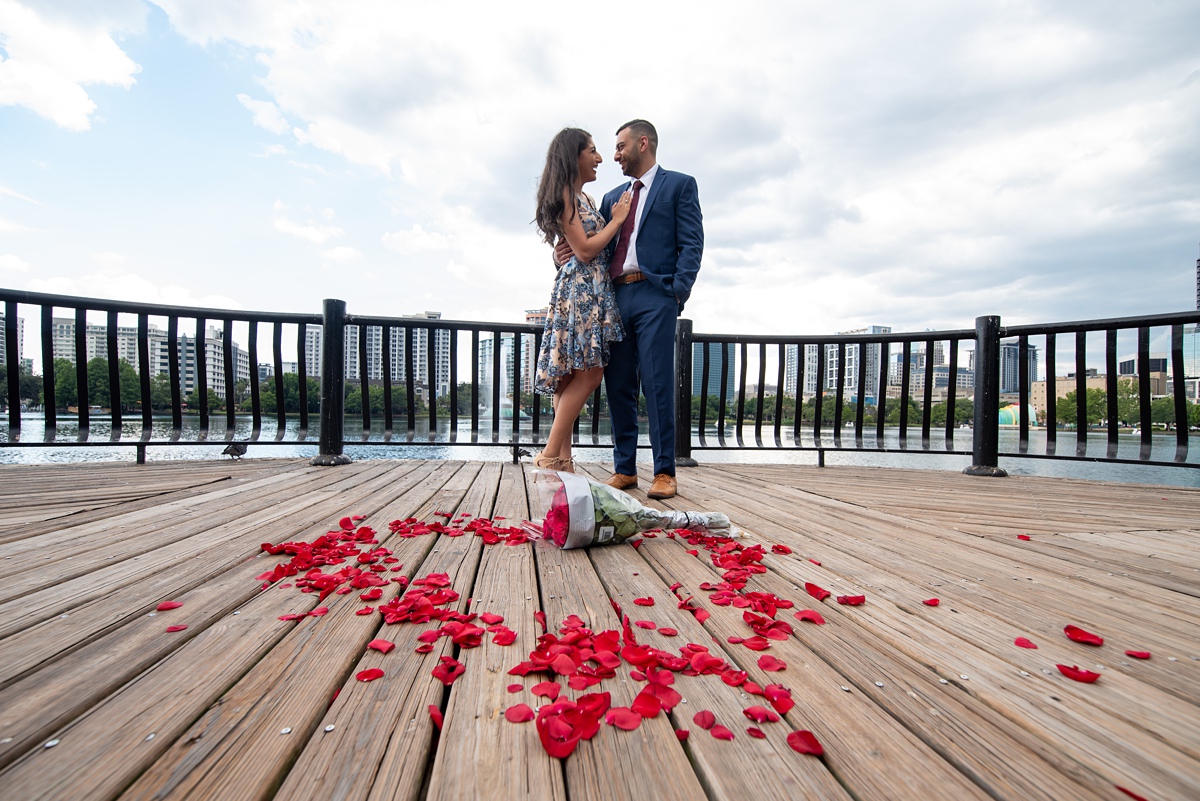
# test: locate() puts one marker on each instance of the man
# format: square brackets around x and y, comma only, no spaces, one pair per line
[654,265]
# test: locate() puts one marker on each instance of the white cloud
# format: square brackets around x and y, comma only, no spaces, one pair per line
[415,240]
[50,59]
[8,192]
[317,234]
[8,226]
[266,114]
[10,263]
[109,259]
[130,286]
[342,254]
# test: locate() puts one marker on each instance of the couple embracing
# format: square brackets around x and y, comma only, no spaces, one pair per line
[625,271]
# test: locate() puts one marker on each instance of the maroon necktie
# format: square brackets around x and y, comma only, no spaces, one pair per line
[618,262]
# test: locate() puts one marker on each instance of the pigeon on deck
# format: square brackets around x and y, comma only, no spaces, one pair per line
[235,449]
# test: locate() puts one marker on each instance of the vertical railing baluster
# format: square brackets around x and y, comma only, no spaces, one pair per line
[1145,422]
[881,394]
[702,410]
[497,382]
[143,349]
[860,408]
[385,370]
[797,424]
[173,375]
[1112,413]
[1051,397]
[255,397]
[49,402]
[475,385]
[302,378]
[516,390]
[114,376]
[1081,420]
[839,396]
[277,360]
[1023,403]
[1179,387]
[758,405]
[453,432]
[364,377]
[596,401]
[431,394]
[985,446]
[927,396]
[683,393]
[819,394]
[12,366]
[741,402]
[951,393]
[780,378]
[202,373]
[230,377]
[905,388]
[725,350]
[410,380]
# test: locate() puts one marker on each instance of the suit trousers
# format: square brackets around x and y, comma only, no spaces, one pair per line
[646,356]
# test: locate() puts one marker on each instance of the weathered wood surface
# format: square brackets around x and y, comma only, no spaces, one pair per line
[910,701]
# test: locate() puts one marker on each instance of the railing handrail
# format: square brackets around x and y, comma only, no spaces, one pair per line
[152,309]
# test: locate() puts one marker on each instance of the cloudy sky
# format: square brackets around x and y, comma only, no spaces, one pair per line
[911,164]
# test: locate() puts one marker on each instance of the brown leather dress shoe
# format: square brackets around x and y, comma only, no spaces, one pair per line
[621,481]
[664,486]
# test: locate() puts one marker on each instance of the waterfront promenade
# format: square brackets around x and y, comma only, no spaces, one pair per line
[103,696]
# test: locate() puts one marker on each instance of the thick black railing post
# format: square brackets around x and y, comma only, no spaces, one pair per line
[683,393]
[986,436]
[333,379]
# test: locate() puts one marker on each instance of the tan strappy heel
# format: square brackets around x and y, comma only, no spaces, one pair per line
[544,462]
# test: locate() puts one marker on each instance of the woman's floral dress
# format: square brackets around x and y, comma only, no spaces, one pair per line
[582,317]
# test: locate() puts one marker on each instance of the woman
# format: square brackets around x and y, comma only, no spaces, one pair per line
[582,317]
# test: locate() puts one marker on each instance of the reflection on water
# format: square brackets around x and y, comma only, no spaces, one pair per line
[420,444]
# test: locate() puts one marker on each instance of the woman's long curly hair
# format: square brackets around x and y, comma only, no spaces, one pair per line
[558,178]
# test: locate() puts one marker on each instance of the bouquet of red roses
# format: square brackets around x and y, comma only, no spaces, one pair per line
[581,512]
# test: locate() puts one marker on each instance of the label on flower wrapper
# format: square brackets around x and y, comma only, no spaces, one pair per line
[605,534]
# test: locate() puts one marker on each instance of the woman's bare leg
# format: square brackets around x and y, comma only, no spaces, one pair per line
[569,402]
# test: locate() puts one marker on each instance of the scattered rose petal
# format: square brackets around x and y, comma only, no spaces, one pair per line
[646,704]
[1078,674]
[165,605]
[771,664]
[1022,642]
[424,649]
[720,732]
[681,734]
[757,643]
[645,624]
[623,718]
[667,632]
[436,715]
[519,713]
[820,593]
[931,602]
[503,635]
[383,646]
[1130,793]
[320,611]
[515,688]
[491,619]
[366,610]
[644,601]
[1077,634]
[805,742]
[704,719]
[547,689]
[369,675]
[1138,654]
[1024,537]
[347,524]
[755,732]
[810,616]
[760,714]
[176,628]
[852,600]
[780,549]
[815,562]
[449,670]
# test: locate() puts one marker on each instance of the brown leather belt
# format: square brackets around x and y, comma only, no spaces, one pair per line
[628,278]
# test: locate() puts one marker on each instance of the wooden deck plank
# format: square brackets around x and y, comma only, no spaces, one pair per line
[480,754]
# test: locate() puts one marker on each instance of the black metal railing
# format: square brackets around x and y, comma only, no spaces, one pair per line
[421,380]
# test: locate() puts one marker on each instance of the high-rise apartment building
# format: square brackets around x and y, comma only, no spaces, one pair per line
[718,354]
[868,353]
[1010,366]
[4,341]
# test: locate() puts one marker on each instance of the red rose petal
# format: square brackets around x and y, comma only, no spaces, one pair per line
[771,664]
[810,616]
[504,635]
[1022,642]
[547,689]
[366,610]
[1077,634]
[519,713]
[1078,674]
[805,742]
[820,593]
[436,715]
[704,719]
[623,718]
[646,705]
[720,732]
[760,714]
[852,600]
[780,549]
[540,617]
[369,675]
[666,632]
[383,646]
[176,628]
[1024,537]
[681,734]
[645,624]
[449,670]
[931,602]
[515,688]
[320,611]
[1138,654]
[647,601]
[1130,793]
[491,619]
[815,562]
[346,523]
[165,605]
[423,649]
[757,643]
[755,732]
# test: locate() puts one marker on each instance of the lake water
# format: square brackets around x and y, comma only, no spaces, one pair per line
[442,446]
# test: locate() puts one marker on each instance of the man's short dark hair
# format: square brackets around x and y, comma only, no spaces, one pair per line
[642,128]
